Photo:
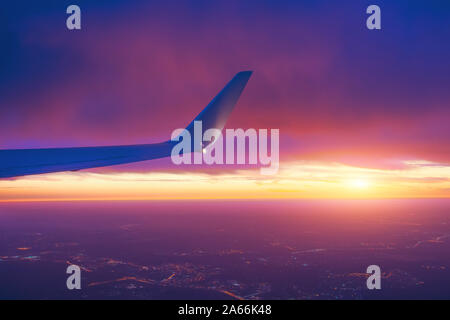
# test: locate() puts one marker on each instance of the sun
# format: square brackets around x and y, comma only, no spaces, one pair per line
[358,183]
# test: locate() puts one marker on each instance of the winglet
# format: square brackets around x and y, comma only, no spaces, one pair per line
[216,113]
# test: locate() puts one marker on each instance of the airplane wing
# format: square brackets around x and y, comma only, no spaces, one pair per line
[20,162]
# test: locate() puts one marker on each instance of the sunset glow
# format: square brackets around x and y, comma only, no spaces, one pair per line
[295,180]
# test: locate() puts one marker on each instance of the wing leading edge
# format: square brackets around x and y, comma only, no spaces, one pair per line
[21,162]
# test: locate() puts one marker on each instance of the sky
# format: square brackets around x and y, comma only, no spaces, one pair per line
[361,113]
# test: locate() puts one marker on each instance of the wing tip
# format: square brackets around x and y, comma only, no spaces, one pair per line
[245,73]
